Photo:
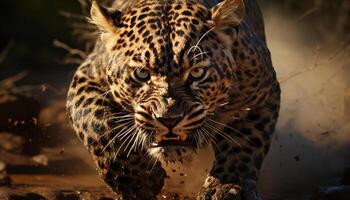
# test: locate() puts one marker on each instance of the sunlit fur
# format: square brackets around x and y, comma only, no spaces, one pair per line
[203,72]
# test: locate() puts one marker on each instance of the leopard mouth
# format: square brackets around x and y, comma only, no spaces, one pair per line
[173,141]
[170,143]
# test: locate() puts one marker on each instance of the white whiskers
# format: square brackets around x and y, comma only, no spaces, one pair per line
[196,46]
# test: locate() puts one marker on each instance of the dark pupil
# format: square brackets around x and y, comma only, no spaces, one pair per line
[142,72]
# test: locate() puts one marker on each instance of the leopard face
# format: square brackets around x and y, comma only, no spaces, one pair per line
[170,69]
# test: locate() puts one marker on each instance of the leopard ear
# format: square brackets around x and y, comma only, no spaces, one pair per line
[228,13]
[105,19]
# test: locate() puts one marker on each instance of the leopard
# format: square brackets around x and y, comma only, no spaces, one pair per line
[169,77]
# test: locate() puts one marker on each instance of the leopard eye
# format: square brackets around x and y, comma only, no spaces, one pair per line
[141,75]
[198,73]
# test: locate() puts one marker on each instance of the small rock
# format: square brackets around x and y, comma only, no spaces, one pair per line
[2,167]
[41,159]
[325,133]
[62,151]
[11,143]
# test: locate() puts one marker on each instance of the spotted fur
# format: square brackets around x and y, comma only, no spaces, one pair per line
[167,77]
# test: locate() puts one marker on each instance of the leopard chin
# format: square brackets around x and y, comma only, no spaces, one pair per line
[171,154]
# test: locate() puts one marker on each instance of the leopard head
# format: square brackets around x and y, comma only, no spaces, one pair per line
[171,68]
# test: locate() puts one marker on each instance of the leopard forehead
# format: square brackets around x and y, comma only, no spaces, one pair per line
[160,33]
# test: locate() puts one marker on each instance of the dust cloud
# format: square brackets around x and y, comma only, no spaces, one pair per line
[311,144]
[188,177]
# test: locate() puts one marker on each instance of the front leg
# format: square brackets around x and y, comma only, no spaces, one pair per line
[237,161]
[99,121]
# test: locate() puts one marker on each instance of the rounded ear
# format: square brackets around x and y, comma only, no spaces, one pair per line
[228,13]
[103,18]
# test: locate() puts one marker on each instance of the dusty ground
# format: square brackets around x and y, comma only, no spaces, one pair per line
[37,155]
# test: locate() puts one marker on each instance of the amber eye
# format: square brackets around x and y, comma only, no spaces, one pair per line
[141,75]
[198,73]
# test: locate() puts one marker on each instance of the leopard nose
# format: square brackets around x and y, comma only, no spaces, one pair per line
[169,122]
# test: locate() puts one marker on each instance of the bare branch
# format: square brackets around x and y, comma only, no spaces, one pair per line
[71,15]
[11,81]
[70,50]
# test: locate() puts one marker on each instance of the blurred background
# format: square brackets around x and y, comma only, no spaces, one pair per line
[41,158]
